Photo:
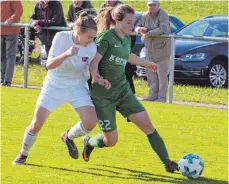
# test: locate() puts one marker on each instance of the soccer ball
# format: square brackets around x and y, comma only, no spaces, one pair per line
[191,166]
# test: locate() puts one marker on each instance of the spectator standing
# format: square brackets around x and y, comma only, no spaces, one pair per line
[154,23]
[78,6]
[11,12]
[47,13]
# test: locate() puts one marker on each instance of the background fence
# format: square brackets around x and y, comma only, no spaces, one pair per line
[172,58]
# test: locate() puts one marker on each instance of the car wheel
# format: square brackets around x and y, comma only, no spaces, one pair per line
[218,74]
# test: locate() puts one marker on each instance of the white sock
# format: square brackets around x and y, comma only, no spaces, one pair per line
[28,141]
[77,130]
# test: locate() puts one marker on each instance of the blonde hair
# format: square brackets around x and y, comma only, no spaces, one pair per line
[84,22]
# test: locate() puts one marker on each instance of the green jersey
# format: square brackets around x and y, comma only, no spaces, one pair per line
[115,51]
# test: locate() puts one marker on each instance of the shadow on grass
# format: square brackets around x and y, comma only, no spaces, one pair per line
[130,174]
[148,177]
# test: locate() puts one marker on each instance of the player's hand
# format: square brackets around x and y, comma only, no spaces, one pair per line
[104,82]
[95,77]
[9,22]
[107,84]
[152,66]
[72,51]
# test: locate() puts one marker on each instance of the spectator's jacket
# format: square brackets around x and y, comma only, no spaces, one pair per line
[50,16]
[104,5]
[73,12]
[157,49]
[10,10]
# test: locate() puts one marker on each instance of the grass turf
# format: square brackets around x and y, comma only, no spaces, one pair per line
[185,129]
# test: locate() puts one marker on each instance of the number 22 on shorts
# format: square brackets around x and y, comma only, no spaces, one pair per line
[104,125]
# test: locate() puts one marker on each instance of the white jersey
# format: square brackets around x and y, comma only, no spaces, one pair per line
[74,71]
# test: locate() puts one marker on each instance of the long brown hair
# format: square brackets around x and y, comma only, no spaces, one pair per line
[108,16]
[85,22]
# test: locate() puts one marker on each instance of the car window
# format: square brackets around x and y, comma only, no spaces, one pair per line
[197,28]
[219,30]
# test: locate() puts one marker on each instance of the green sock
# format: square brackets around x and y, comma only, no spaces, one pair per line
[158,146]
[97,141]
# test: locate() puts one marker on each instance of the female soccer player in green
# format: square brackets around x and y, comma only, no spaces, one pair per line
[113,52]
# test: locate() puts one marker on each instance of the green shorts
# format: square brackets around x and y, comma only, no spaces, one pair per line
[106,107]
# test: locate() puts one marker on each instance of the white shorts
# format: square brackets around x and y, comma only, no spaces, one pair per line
[52,98]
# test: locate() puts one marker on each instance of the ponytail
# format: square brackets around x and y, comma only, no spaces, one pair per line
[108,16]
[104,19]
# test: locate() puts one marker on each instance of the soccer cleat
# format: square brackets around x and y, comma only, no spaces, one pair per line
[72,149]
[19,160]
[171,167]
[87,149]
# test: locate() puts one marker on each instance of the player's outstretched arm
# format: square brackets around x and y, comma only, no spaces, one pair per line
[134,59]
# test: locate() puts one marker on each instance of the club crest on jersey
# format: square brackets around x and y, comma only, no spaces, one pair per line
[85,59]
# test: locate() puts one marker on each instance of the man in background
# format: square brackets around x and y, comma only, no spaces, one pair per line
[11,12]
[153,23]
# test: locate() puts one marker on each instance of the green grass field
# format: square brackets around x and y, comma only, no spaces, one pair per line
[185,129]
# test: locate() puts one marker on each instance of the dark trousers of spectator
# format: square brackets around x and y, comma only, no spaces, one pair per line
[130,72]
[47,48]
[9,45]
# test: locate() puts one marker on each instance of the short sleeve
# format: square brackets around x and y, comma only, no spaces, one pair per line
[94,52]
[102,43]
[55,49]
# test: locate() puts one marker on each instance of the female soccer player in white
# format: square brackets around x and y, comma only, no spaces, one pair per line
[66,81]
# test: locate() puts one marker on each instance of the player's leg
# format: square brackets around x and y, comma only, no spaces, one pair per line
[106,115]
[45,105]
[105,139]
[142,120]
[132,108]
[88,122]
[40,116]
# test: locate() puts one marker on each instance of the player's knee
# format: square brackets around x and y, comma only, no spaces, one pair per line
[35,126]
[89,123]
[111,142]
[148,128]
